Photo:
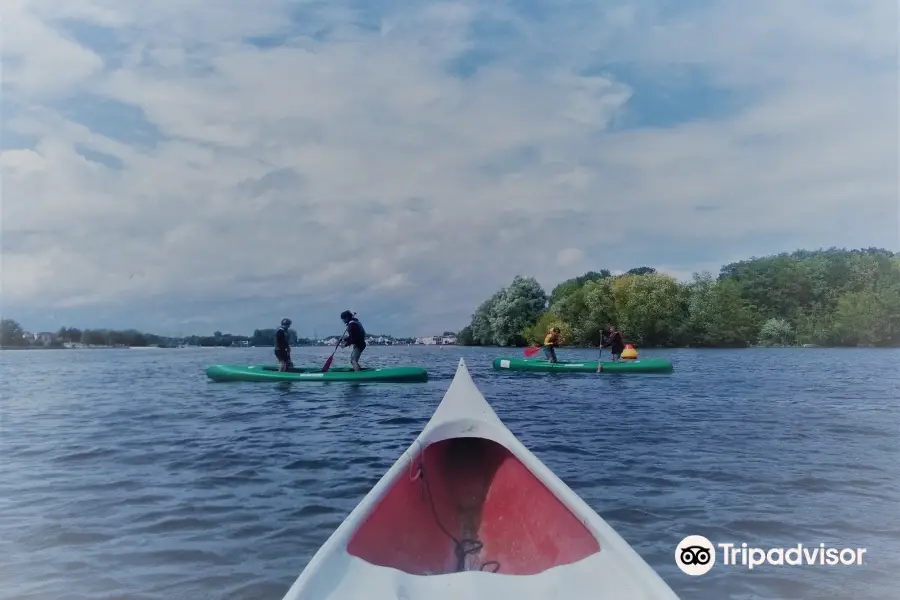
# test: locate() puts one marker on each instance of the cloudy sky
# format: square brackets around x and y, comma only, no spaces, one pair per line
[183,167]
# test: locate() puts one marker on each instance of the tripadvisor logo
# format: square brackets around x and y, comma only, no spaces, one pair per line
[695,555]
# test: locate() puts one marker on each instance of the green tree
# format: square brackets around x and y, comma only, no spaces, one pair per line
[815,326]
[12,334]
[735,322]
[776,286]
[823,297]
[516,309]
[601,311]
[93,337]
[648,308]
[69,334]
[465,337]
[482,321]
[717,314]
[702,303]
[130,337]
[868,318]
[776,332]
[570,285]
[536,333]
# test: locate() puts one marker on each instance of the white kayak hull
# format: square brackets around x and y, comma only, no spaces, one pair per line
[469,512]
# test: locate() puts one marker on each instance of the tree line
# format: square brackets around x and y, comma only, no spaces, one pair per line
[833,297]
[12,335]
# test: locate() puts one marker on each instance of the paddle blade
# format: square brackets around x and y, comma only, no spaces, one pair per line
[529,352]
[328,364]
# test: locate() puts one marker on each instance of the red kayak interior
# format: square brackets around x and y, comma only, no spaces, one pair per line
[470,504]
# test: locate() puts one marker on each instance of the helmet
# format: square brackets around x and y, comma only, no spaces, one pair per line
[346,315]
[286,323]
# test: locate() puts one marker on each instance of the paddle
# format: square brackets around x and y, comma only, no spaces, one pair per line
[331,358]
[599,354]
[531,351]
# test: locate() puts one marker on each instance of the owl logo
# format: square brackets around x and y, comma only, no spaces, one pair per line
[695,555]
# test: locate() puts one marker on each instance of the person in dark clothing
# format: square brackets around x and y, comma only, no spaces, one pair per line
[615,343]
[356,337]
[283,346]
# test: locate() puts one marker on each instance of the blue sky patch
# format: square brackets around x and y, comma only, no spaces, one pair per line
[667,98]
[265,42]
[466,65]
[110,118]
[107,160]
[490,40]
[104,41]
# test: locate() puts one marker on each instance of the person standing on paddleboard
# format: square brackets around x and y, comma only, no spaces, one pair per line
[615,343]
[283,346]
[356,337]
[551,342]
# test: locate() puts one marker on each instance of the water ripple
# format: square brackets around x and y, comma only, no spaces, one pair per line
[127,475]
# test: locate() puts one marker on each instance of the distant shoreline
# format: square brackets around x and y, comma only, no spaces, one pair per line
[501,348]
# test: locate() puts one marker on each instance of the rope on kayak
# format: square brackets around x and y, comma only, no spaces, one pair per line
[463,547]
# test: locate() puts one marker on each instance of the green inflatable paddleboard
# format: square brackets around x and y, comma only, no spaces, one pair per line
[271,373]
[647,365]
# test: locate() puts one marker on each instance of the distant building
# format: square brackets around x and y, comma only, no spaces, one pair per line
[437,340]
[45,338]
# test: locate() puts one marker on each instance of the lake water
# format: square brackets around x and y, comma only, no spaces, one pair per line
[126,474]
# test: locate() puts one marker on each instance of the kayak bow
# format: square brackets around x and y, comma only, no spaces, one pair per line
[465,505]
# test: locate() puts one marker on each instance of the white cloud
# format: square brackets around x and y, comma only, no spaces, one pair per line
[357,169]
[37,60]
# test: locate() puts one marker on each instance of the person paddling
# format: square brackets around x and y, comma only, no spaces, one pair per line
[551,342]
[356,337]
[283,346]
[615,343]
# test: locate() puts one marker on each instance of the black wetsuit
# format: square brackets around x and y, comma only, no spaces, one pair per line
[616,344]
[282,347]
[356,335]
